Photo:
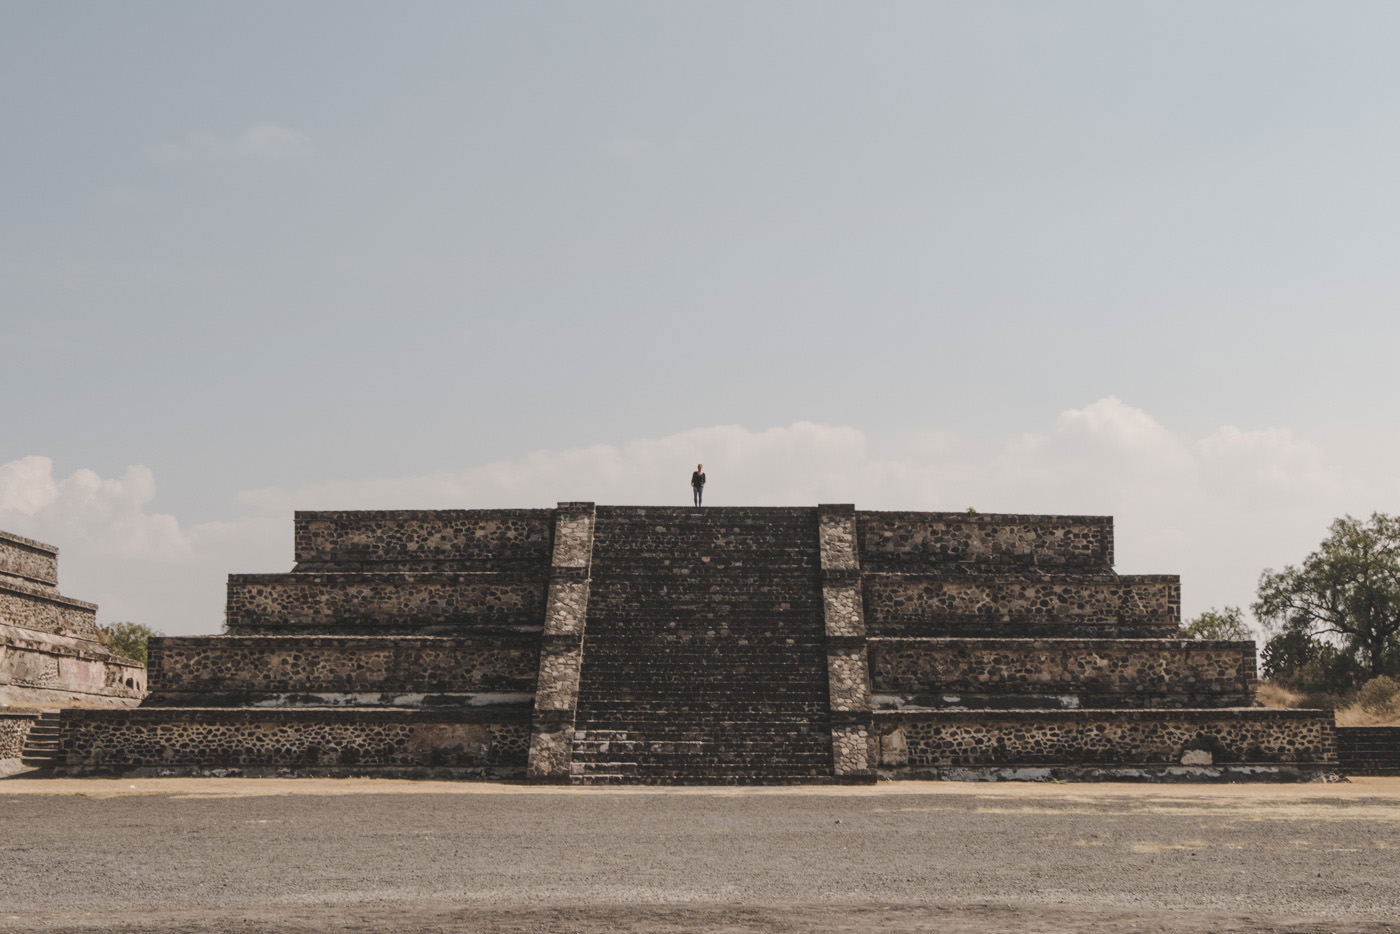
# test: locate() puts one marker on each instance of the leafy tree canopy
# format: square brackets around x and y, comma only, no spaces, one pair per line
[127,638]
[1341,606]
[1225,624]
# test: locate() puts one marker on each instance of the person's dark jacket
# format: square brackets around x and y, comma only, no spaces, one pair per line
[697,479]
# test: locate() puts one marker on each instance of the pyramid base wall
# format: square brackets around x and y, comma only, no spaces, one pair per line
[1125,773]
[389,742]
[1099,745]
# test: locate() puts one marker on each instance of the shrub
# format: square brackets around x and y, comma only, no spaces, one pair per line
[1319,700]
[128,639]
[1380,696]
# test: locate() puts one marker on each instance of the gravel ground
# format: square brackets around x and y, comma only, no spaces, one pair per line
[250,855]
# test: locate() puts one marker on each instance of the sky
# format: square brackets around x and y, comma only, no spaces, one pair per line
[1115,258]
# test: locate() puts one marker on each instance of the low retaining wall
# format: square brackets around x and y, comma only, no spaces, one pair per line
[893,540]
[27,559]
[482,538]
[1369,750]
[191,666]
[39,607]
[1046,605]
[930,744]
[331,741]
[386,602]
[953,673]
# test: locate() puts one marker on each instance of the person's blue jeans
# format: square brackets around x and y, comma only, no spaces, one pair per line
[699,491]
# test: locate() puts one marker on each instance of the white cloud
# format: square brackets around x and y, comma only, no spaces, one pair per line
[109,515]
[27,485]
[1216,509]
[261,142]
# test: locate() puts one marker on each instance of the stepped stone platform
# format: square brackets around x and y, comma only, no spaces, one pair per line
[50,654]
[625,644]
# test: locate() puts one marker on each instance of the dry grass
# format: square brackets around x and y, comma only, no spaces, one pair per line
[1356,716]
[1275,695]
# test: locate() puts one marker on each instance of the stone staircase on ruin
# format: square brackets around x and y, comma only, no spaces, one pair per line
[704,655]
[41,745]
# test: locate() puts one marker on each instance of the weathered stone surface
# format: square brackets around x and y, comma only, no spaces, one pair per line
[448,539]
[915,540]
[46,670]
[842,606]
[188,666]
[573,540]
[14,727]
[848,676]
[435,601]
[1022,605]
[27,560]
[558,683]
[849,684]
[50,654]
[106,739]
[551,754]
[663,644]
[1369,750]
[848,749]
[561,655]
[838,537]
[35,606]
[1160,737]
[1089,672]
[568,607]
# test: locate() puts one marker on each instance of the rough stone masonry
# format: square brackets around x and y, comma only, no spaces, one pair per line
[50,656]
[615,644]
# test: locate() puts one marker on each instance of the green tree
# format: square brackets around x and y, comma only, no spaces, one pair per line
[1346,594]
[1227,624]
[127,638]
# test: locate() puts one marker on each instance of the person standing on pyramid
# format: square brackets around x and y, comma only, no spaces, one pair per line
[697,482]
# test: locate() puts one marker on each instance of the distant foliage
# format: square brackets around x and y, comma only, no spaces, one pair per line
[1380,696]
[1227,624]
[128,639]
[1336,616]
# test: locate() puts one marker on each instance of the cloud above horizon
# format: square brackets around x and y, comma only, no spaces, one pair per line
[1216,509]
[260,143]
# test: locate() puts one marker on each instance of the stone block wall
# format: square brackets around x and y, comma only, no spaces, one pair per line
[1022,605]
[230,669]
[45,670]
[314,741]
[917,745]
[28,560]
[390,602]
[448,539]
[1369,750]
[14,727]
[1061,672]
[920,540]
[38,607]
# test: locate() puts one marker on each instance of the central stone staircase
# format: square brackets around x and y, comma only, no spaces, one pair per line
[704,656]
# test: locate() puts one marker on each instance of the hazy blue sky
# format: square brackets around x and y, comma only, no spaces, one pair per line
[1094,257]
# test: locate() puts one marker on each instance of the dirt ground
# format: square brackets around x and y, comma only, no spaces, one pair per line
[271,855]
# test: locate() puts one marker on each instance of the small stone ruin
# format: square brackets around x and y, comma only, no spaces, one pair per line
[50,654]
